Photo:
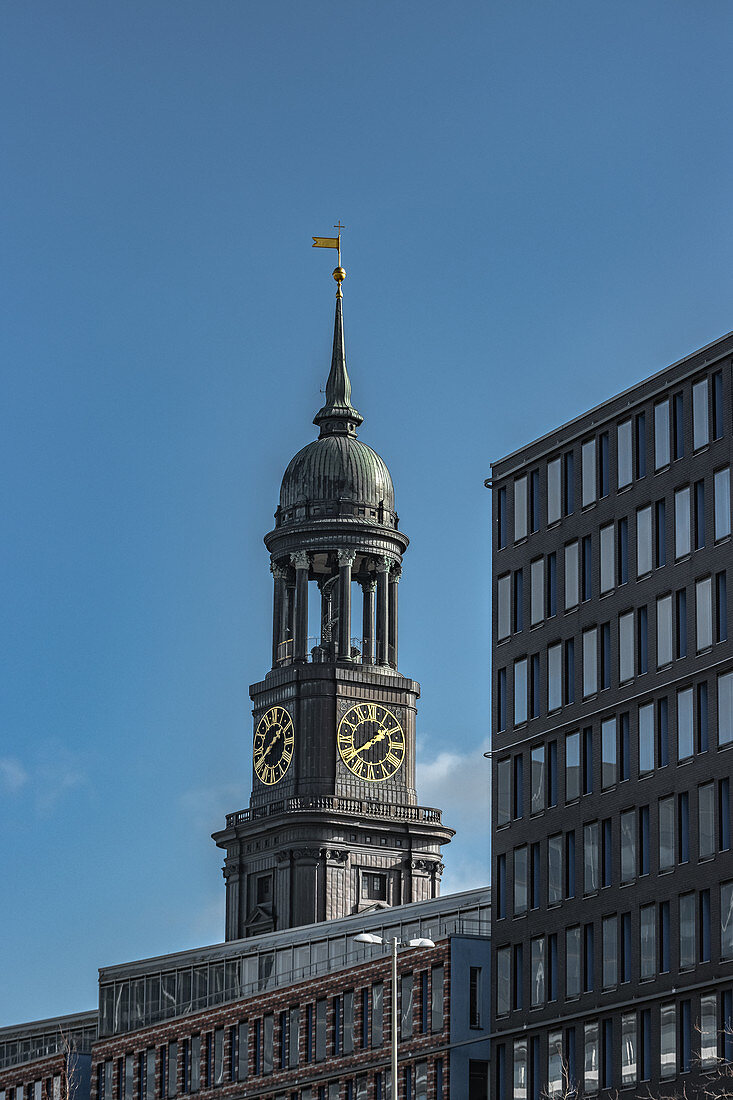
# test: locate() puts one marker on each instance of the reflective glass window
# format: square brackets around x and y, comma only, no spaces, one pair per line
[644,541]
[554,505]
[626,655]
[588,460]
[608,752]
[666,833]
[704,613]
[608,558]
[682,522]
[661,435]
[590,662]
[520,508]
[571,575]
[664,631]
[700,429]
[722,503]
[628,846]
[624,453]
[537,595]
[554,677]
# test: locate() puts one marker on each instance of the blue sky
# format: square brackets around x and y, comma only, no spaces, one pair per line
[537,202]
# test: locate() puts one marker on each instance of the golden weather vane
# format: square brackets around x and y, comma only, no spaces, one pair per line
[334,242]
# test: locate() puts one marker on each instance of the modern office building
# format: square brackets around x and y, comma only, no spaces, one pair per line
[48,1059]
[612,751]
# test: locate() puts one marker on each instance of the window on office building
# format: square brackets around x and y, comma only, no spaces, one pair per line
[626,654]
[661,435]
[503,606]
[721,607]
[604,465]
[704,613]
[698,540]
[644,541]
[520,1069]
[608,558]
[591,1070]
[520,691]
[685,731]
[722,503]
[647,942]
[682,522]
[700,430]
[537,976]
[520,880]
[503,981]
[678,425]
[554,869]
[640,444]
[554,506]
[568,471]
[660,534]
[717,381]
[537,759]
[668,1041]
[537,593]
[554,677]
[687,931]
[628,1049]
[706,820]
[572,766]
[726,920]
[608,752]
[591,856]
[665,633]
[666,833]
[555,1063]
[520,508]
[646,738]
[588,463]
[572,961]
[534,501]
[501,524]
[628,846]
[725,708]
[571,575]
[503,791]
[590,662]
[624,453]
[586,564]
[709,1030]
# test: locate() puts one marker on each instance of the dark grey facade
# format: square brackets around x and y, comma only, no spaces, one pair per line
[333,826]
[612,930]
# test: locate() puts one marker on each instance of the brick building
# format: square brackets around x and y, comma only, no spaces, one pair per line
[48,1059]
[612,922]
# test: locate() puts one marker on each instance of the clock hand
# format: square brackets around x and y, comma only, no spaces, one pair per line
[272,744]
[377,737]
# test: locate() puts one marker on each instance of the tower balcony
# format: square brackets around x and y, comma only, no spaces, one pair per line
[334,804]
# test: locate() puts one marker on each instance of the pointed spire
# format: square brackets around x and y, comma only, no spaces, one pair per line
[338,416]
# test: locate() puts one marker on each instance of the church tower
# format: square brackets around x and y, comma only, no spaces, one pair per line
[333,825]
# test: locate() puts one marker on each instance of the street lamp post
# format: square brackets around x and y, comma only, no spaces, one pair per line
[369,937]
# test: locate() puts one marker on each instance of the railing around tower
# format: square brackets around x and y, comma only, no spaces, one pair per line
[325,651]
[333,803]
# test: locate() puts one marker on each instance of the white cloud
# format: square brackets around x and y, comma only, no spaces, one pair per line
[458,783]
[13,775]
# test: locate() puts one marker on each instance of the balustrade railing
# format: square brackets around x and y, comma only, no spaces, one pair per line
[333,803]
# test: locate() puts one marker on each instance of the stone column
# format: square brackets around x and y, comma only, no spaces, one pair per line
[280,575]
[367,588]
[383,567]
[394,578]
[346,560]
[302,565]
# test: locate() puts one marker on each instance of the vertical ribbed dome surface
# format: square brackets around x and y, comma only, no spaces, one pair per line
[337,467]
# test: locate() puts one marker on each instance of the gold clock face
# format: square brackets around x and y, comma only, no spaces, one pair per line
[273,745]
[371,742]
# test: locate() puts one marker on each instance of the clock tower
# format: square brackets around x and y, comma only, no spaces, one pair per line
[333,825]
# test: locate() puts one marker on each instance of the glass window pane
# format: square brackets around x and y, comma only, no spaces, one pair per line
[554,1063]
[608,752]
[628,846]
[624,454]
[520,879]
[553,491]
[537,601]
[666,833]
[572,962]
[503,981]
[661,434]
[704,613]
[503,785]
[590,1061]
[610,950]
[590,858]
[628,1049]
[726,920]
[626,646]
[520,1069]
[685,747]
[608,558]
[503,603]
[520,508]
[588,459]
[700,433]
[538,778]
[706,819]
[687,931]
[647,930]
[538,970]
[722,503]
[590,662]
[682,522]
[646,738]
[571,575]
[668,1045]
[644,541]
[664,631]
[725,708]
[520,691]
[554,870]
[572,766]
[554,677]
[708,1030]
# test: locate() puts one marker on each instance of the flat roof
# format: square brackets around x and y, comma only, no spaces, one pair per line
[640,391]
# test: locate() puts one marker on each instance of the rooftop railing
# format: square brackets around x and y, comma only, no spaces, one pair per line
[335,804]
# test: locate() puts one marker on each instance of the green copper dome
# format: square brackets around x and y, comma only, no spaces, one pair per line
[337,468]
